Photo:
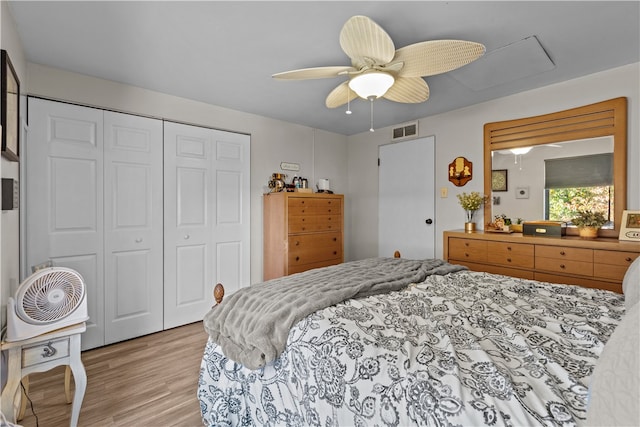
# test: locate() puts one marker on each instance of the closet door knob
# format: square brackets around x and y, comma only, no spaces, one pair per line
[186,237]
[139,240]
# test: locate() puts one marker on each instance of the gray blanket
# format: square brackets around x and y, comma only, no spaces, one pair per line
[251,326]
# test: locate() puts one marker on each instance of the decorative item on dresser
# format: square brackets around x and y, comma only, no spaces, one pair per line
[594,263]
[302,231]
[470,203]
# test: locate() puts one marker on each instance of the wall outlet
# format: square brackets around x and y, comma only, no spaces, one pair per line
[444,192]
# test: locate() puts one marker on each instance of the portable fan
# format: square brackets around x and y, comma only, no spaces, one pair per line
[49,299]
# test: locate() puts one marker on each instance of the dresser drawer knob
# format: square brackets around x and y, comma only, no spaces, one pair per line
[335,252]
[297,258]
[562,266]
[297,243]
[466,244]
[562,253]
[49,350]
[508,259]
[335,239]
[508,248]
[466,254]
[628,259]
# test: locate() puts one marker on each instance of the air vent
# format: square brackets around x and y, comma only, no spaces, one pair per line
[406,131]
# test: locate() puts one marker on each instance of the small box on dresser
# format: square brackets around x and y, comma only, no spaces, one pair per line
[544,228]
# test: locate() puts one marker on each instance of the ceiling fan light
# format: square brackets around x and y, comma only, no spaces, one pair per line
[372,84]
[522,150]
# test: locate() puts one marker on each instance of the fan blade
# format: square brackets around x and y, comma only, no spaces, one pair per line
[409,90]
[313,73]
[437,56]
[339,96]
[364,41]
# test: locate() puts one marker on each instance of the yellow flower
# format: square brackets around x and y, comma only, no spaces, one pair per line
[472,201]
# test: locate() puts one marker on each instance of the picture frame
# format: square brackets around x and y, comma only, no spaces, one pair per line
[522,192]
[630,227]
[10,109]
[499,180]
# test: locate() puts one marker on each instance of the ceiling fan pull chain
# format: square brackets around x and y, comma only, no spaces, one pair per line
[371,128]
[348,103]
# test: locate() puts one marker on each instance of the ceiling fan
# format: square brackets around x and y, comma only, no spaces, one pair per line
[379,70]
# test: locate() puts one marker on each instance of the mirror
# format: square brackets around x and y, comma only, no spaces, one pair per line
[516,151]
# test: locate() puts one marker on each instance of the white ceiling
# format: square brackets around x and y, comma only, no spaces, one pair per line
[224,53]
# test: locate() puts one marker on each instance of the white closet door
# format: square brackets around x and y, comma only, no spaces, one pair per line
[206,218]
[232,228]
[64,198]
[133,226]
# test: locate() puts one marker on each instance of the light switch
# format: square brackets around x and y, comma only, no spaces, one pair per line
[444,192]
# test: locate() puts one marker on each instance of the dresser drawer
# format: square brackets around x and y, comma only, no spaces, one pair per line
[311,248]
[560,253]
[41,353]
[468,249]
[302,224]
[614,257]
[329,222]
[303,243]
[328,206]
[511,254]
[567,266]
[612,264]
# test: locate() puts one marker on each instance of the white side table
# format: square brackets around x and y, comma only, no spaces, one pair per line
[42,353]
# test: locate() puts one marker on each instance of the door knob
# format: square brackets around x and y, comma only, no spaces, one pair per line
[429,221]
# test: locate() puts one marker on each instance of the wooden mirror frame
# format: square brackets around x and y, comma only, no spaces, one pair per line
[607,118]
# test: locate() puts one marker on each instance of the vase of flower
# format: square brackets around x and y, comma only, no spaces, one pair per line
[470,203]
[469,224]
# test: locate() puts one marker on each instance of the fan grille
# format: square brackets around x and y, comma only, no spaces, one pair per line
[50,296]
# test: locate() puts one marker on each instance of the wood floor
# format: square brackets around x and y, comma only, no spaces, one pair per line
[147,381]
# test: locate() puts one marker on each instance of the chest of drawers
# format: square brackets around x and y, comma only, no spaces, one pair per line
[598,263]
[302,231]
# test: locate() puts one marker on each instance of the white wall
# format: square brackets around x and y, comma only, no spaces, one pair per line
[10,220]
[320,154]
[460,133]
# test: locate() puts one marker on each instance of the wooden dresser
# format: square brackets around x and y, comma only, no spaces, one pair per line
[302,231]
[598,263]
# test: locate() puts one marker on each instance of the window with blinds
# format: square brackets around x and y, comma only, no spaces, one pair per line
[578,183]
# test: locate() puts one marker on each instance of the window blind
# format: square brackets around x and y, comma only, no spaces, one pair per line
[593,170]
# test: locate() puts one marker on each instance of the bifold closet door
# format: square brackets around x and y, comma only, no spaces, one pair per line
[94,204]
[64,198]
[207,211]
[133,224]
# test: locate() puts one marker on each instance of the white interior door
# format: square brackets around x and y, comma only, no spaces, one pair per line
[133,223]
[64,198]
[206,218]
[406,205]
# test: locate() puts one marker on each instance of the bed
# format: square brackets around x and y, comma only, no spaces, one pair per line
[441,346]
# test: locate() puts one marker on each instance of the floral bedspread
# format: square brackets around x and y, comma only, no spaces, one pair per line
[463,349]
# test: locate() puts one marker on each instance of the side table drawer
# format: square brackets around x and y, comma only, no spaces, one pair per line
[468,249]
[45,352]
[510,254]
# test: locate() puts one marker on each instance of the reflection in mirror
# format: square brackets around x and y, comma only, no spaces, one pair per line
[553,181]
